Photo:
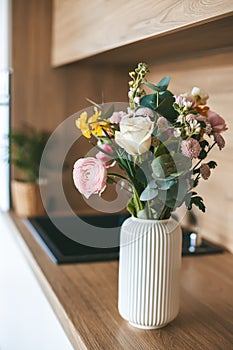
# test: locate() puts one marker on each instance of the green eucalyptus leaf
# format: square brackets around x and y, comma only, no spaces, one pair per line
[162,165]
[149,101]
[152,86]
[165,107]
[165,184]
[142,214]
[150,192]
[163,83]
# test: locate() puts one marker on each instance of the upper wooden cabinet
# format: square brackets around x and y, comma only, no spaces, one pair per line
[85,28]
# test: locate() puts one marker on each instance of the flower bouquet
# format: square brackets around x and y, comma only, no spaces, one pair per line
[159,143]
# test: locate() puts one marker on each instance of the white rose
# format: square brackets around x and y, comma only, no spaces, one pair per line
[200,95]
[135,134]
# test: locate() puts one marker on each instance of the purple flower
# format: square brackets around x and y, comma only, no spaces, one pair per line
[190,148]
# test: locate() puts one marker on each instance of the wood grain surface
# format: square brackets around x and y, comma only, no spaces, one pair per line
[82,29]
[84,296]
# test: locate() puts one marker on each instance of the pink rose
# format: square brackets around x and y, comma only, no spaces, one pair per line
[217,123]
[104,158]
[89,176]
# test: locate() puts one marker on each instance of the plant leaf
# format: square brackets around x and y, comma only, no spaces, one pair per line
[131,207]
[150,192]
[212,164]
[165,107]
[163,83]
[149,101]
[165,184]
[152,86]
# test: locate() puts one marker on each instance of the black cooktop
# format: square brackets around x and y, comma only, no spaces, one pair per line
[63,250]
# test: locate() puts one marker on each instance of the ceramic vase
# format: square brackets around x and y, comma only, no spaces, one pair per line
[149,272]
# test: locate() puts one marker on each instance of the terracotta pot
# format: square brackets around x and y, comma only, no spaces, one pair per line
[26,199]
[149,272]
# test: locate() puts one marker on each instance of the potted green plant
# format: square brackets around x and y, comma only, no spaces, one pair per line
[26,146]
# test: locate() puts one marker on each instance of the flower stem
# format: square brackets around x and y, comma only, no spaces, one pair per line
[206,155]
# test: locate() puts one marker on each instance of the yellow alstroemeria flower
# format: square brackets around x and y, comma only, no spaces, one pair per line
[97,125]
[82,124]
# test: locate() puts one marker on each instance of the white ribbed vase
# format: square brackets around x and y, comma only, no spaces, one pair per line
[149,272]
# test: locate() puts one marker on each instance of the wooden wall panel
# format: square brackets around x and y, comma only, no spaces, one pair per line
[214,73]
[82,29]
[43,96]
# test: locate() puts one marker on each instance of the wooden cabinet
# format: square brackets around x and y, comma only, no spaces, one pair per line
[85,28]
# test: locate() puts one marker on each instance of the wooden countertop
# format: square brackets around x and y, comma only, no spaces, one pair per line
[84,297]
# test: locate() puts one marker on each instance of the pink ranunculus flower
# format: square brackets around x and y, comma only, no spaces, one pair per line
[190,148]
[217,123]
[103,157]
[89,176]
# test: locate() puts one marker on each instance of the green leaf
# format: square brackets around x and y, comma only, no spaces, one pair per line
[165,184]
[150,192]
[149,101]
[152,86]
[161,86]
[131,207]
[162,166]
[163,83]
[212,164]
[204,143]
[160,150]
[167,165]
[142,214]
[182,163]
[202,154]
[198,201]
[165,107]
[140,175]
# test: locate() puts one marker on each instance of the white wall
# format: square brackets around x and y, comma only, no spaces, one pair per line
[5,63]
[27,321]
